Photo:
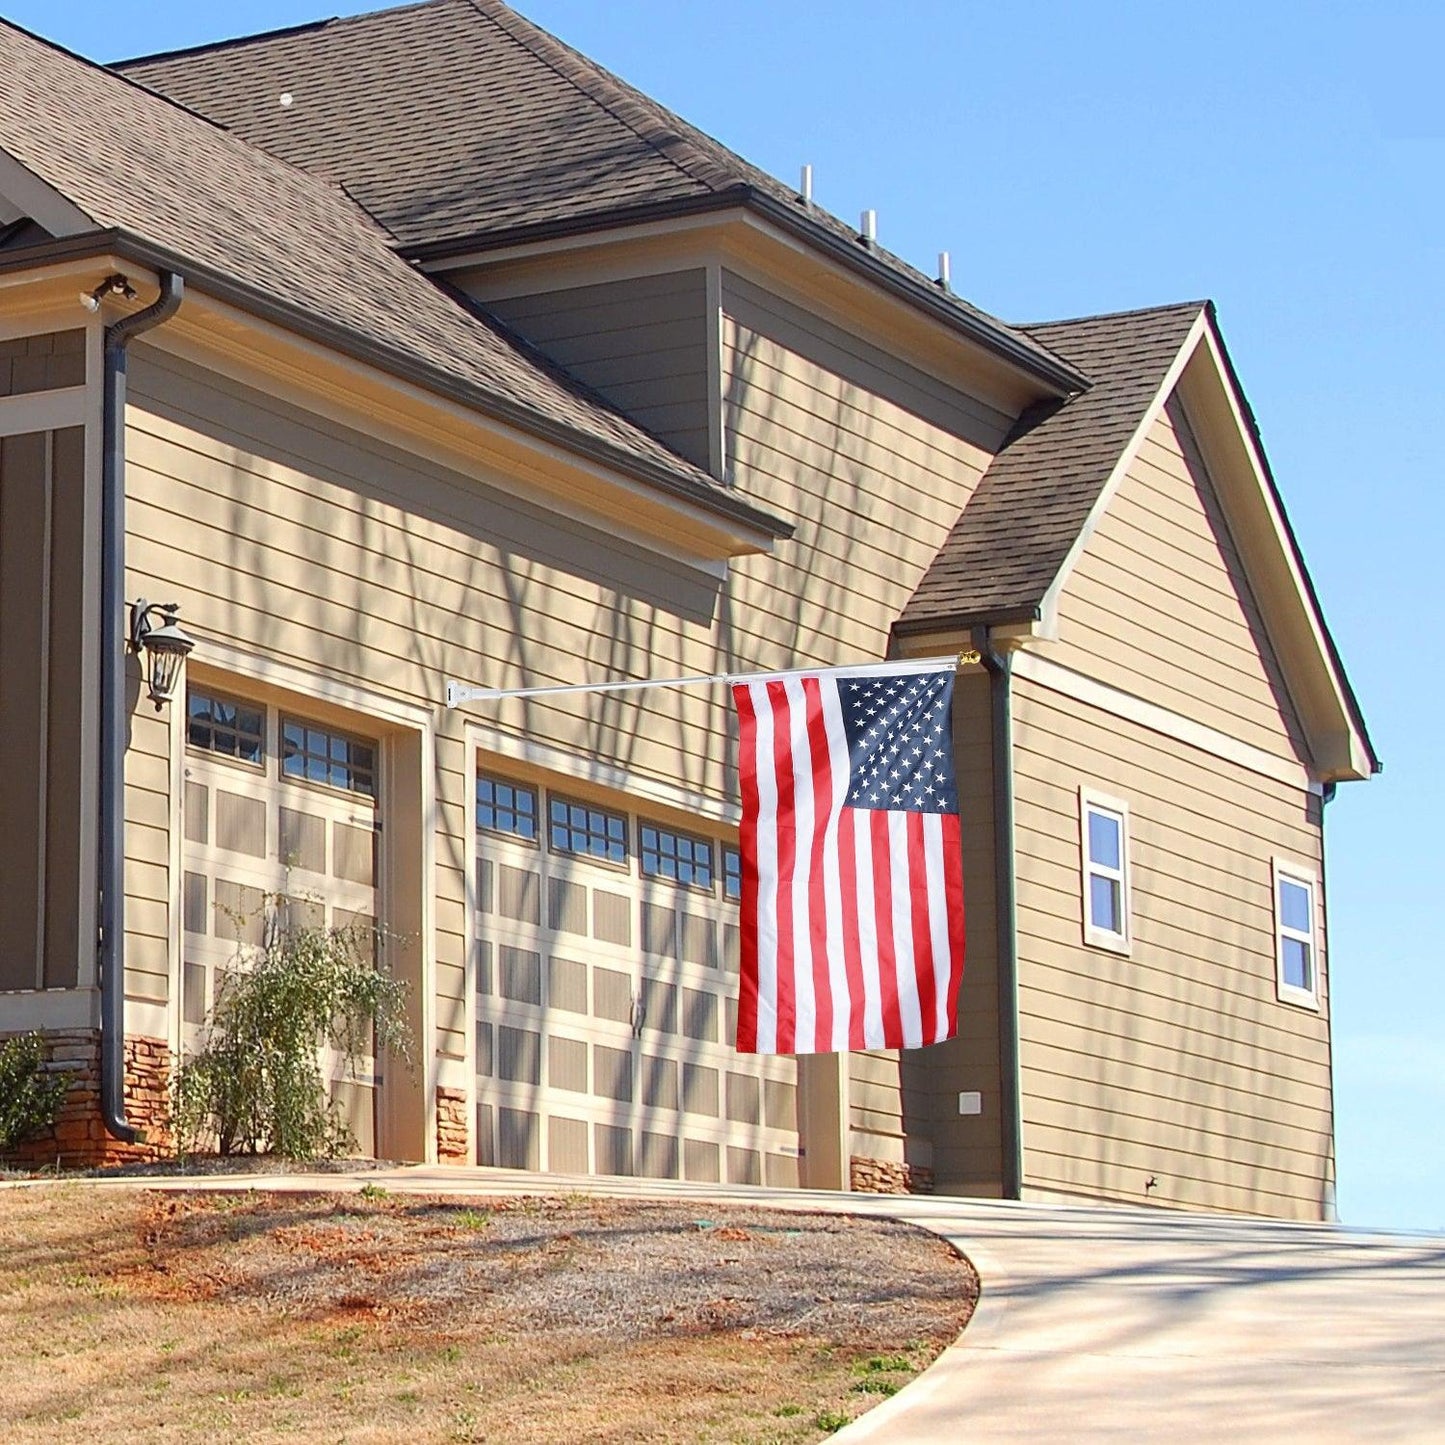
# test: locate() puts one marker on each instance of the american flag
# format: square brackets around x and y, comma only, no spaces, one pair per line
[852,872]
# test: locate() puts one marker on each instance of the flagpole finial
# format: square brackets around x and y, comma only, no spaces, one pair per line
[970,657]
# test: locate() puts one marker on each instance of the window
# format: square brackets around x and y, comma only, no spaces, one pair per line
[224,726]
[1104,837]
[1296,954]
[677,856]
[504,807]
[732,873]
[580,828]
[318,755]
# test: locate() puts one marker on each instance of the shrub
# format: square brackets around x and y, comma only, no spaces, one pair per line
[255,1084]
[30,1094]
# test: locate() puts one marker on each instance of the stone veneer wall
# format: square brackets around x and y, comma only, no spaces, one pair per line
[452,1141]
[880,1176]
[78,1138]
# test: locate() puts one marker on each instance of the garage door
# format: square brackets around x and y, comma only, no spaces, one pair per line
[280,829]
[607,998]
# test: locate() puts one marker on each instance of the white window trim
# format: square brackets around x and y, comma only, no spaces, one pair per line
[1305,877]
[1105,938]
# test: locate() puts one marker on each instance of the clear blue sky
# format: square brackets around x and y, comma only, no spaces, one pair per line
[1285,159]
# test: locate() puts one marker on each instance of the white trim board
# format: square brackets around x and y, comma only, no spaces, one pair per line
[1120,704]
[1049,608]
[44,410]
[22,1010]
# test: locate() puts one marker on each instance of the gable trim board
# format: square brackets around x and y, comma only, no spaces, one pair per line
[1121,704]
[32,197]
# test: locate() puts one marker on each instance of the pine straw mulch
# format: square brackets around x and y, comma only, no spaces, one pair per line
[369,1318]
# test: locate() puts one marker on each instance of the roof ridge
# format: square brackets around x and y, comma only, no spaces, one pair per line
[625,103]
[1164,309]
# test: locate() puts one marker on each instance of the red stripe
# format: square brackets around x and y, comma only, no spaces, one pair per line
[822,1041]
[852,957]
[747,1039]
[883,917]
[919,889]
[787,864]
[953,891]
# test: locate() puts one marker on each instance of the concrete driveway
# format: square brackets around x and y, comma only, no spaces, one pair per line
[1120,1324]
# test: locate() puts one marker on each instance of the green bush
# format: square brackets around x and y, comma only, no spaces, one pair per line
[30,1094]
[255,1084]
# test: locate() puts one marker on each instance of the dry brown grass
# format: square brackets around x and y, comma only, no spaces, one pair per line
[147,1316]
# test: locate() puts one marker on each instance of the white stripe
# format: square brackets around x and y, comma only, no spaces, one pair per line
[805,1007]
[843,1005]
[767,835]
[904,954]
[938,920]
[867,932]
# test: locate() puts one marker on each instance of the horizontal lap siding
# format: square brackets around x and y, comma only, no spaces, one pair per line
[642,343]
[1159,605]
[872,461]
[1178,1061]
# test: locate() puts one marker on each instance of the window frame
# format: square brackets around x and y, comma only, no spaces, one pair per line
[602,860]
[1284,870]
[316,725]
[539,817]
[1122,942]
[709,889]
[260,764]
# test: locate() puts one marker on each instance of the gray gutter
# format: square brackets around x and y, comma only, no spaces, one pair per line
[1006,923]
[994,336]
[967,621]
[396,362]
[111,861]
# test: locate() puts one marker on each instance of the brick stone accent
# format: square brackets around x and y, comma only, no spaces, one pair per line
[452,1132]
[78,1139]
[879,1176]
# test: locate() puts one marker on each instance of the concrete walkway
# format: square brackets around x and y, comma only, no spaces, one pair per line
[1120,1324]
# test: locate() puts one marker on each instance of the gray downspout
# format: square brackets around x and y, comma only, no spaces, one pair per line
[1000,673]
[113,636]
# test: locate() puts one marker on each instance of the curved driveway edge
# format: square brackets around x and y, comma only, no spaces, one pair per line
[1110,1323]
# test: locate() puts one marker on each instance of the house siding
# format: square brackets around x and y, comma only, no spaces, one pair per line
[641,342]
[1158,604]
[1177,1062]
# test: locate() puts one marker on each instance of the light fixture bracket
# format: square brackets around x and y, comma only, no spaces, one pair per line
[165,645]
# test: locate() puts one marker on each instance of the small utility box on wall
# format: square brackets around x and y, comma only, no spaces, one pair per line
[970,1102]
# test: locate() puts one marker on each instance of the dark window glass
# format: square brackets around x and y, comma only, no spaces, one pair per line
[732,873]
[506,807]
[224,726]
[677,856]
[317,755]
[578,828]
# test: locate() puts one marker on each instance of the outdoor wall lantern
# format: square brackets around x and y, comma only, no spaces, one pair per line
[165,645]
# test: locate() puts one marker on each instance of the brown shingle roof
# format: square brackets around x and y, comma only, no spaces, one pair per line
[137,163]
[460,120]
[1013,536]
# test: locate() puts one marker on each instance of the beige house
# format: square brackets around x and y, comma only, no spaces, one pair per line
[417,347]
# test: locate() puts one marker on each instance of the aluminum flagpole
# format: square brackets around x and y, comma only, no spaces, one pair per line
[461,692]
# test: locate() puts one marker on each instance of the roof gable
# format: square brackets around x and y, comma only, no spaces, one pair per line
[1015,545]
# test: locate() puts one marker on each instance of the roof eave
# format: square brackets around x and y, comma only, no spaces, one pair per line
[763,525]
[1052,372]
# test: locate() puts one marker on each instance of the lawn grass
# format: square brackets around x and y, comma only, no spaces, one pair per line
[137,1315]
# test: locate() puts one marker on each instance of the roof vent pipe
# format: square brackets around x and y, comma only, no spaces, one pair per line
[806,189]
[113,639]
[945,271]
[868,231]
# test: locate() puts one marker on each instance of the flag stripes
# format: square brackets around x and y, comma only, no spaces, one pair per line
[852,893]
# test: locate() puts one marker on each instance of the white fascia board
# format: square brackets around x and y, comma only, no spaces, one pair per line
[29,195]
[1049,608]
[1357,755]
